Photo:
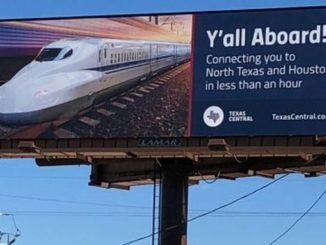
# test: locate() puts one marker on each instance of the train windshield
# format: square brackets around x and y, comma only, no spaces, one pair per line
[50,54]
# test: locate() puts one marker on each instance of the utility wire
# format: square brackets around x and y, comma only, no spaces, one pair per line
[238,199]
[208,212]
[18,232]
[207,181]
[69,201]
[40,177]
[298,220]
[36,178]
[230,214]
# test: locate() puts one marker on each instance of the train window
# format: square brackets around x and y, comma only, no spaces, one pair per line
[105,53]
[67,54]
[48,54]
[115,58]
[111,58]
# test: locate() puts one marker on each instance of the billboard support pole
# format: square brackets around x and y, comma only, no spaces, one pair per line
[174,201]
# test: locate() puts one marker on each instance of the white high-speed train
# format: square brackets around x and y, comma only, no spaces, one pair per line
[70,75]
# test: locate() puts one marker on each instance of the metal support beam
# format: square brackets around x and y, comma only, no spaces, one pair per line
[174,201]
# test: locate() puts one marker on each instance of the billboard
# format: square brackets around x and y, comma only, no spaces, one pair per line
[235,73]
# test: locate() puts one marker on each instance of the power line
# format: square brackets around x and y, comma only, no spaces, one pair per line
[209,212]
[228,214]
[238,199]
[298,220]
[69,201]
[74,178]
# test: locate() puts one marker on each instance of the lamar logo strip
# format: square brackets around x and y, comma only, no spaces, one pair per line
[159,142]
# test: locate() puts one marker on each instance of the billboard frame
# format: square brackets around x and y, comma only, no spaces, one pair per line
[84,151]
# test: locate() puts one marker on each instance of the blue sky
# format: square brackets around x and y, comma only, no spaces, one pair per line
[55,8]
[118,216]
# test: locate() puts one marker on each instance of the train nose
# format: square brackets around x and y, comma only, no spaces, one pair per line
[6,103]
[10,113]
[10,107]
[6,106]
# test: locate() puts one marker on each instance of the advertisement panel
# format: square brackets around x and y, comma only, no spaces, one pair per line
[236,73]
[260,73]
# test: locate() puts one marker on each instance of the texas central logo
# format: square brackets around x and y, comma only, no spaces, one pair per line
[213,116]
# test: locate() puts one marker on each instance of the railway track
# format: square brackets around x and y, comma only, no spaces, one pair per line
[135,112]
